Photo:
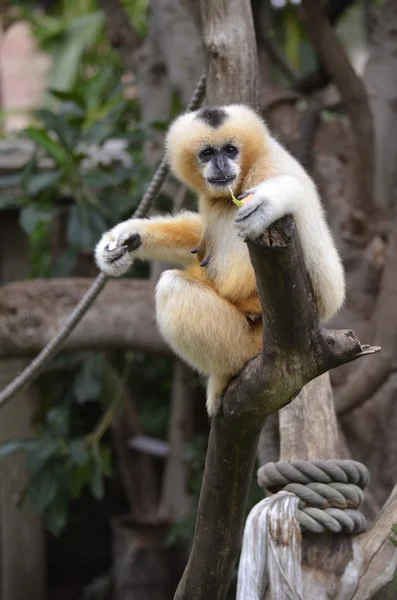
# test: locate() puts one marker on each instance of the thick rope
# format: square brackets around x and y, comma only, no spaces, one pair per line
[33,370]
[270,561]
[329,491]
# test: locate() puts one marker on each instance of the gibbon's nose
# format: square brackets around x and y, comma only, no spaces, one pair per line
[220,164]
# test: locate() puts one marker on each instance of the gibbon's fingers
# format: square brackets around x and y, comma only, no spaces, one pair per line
[255,223]
[114,254]
[133,242]
[125,243]
[246,210]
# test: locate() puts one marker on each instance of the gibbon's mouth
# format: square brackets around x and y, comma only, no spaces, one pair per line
[222,180]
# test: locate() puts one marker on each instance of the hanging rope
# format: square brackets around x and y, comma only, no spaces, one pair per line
[270,561]
[41,361]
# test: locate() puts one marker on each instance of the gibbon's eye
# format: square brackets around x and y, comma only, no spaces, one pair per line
[230,150]
[207,153]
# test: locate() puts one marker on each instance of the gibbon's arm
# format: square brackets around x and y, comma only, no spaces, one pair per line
[297,196]
[160,238]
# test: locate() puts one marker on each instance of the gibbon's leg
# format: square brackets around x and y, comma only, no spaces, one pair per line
[204,329]
[160,238]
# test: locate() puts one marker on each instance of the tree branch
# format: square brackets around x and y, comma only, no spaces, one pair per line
[351,89]
[121,318]
[319,78]
[295,350]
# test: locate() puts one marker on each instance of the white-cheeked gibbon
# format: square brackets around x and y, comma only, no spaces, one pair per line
[209,312]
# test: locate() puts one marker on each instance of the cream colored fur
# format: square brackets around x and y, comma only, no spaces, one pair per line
[205,313]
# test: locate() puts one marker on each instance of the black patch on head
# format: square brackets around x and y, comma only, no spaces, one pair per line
[214,117]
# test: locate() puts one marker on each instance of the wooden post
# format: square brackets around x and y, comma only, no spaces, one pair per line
[22,555]
[308,431]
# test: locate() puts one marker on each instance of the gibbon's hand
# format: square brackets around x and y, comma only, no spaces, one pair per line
[256,216]
[112,254]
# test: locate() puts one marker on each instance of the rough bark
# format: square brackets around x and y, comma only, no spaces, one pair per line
[308,431]
[229,38]
[122,317]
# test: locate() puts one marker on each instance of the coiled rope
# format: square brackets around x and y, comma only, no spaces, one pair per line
[330,492]
[316,496]
[33,370]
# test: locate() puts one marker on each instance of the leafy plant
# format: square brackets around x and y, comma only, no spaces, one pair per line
[86,155]
[59,467]
[64,459]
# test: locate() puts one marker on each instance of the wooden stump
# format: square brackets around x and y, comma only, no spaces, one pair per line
[145,567]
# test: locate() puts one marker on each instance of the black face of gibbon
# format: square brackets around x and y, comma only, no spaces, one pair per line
[219,163]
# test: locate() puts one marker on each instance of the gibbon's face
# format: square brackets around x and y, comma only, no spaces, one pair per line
[212,149]
[219,164]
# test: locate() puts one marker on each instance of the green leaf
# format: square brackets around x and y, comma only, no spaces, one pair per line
[65,132]
[85,227]
[79,454]
[33,215]
[13,180]
[88,382]
[105,457]
[79,476]
[101,178]
[13,446]
[43,489]
[117,204]
[57,515]
[65,264]
[45,450]
[41,138]
[96,482]
[96,88]
[72,96]
[7,202]
[41,181]
[57,420]
[81,34]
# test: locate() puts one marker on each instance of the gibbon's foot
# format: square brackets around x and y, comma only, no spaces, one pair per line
[215,389]
[255,217]
[113,254]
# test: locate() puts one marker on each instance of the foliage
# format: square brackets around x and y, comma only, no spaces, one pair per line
[59,466]
[84,156]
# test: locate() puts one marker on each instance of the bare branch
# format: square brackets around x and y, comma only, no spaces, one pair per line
[122,317]
[320,77]
[266,384]
[351,89]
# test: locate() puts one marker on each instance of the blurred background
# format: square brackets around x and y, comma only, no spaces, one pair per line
[102,458]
